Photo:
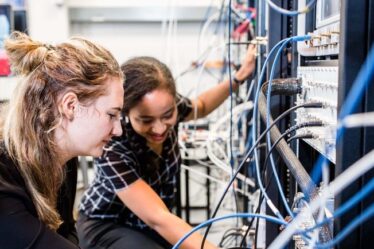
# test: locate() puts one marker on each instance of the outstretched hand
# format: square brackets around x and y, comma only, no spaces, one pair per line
[248,64]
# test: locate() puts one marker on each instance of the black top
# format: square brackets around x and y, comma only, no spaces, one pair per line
[19,223]
[127,159]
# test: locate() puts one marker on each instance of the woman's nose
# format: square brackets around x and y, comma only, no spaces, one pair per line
[117,129]
[159,127]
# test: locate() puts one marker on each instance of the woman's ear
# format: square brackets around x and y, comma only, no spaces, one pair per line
[69,104]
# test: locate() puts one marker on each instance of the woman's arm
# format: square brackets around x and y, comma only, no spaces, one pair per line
[215,96]
[140,198]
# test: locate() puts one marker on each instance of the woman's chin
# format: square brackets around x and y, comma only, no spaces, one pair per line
[97,152]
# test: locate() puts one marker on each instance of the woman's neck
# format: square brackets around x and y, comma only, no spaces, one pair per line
[64,154]
[156,148]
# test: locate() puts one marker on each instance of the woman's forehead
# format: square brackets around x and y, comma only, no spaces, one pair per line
[155,103]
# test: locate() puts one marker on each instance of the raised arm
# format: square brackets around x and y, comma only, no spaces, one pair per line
[140,198]
[209,100]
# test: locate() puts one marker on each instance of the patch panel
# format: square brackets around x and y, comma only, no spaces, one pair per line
[319,84]
[324,42]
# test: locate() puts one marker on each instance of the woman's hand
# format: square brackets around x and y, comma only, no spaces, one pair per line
[248,64]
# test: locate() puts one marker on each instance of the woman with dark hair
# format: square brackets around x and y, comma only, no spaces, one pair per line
[67,104]
[128,204]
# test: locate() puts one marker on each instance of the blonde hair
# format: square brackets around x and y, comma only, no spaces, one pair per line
[77,66]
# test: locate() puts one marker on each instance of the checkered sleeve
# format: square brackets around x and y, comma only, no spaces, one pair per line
[184,106]
[118,165]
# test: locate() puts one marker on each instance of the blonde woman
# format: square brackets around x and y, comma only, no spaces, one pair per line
[68,104]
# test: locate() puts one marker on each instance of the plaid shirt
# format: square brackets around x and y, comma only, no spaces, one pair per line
[127,159]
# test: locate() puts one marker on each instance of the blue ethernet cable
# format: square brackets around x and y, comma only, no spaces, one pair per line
[367,189]
[362,80]
[268,111]
[268,137]
[241,215]
[254,124]
[255,109]
[253,148]
[369,212]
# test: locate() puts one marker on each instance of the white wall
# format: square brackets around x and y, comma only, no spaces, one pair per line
[126,40]
[48,20]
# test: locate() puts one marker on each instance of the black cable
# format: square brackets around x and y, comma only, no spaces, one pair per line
[280,117]
[301,136]
[239,43]
[290,130]
[243,242]
[296,168]
[261,197]
[231,107]
[292,162]
[302,177]
[260,200]
[233,10]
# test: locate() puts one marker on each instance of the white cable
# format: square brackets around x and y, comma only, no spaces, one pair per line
[169,51]
[204,163]
[200,73]
[335,187]
[164,25]
[202,67]
[204,30]
[205,175]
[246,106]
[211,138]
[360,119]
[251,86]
[221,165]
[185,167]
[175,56]
[214,129]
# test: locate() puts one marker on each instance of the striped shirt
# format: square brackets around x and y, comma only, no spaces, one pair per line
[127,159]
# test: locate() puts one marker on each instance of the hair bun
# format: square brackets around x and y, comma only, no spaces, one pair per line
[24,53]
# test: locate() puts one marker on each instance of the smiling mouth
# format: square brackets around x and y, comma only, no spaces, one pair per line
[158,137]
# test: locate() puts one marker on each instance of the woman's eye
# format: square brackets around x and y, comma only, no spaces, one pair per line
[169,116]
[112,116]
[146,121]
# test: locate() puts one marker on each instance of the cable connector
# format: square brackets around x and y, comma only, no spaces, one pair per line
[313,123]
[301,38]
[307,135]
[259,40]
[314,105]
